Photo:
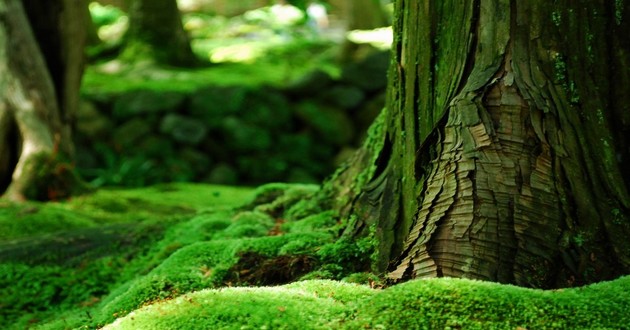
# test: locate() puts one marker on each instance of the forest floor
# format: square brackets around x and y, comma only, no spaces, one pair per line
[192,256]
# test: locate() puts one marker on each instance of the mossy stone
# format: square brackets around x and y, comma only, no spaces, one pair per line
[183,129]
[145,102]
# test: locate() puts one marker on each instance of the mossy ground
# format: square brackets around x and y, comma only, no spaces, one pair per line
[189,256]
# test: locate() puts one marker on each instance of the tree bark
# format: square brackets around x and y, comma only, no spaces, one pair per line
[156,32]
[39,92]
[503,147]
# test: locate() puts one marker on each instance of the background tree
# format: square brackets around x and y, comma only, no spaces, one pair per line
[361,15]
[503,153]
[156,32]
[41,56]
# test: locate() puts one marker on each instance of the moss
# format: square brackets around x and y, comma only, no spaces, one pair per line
[165,281]
[207,265]
[305,243]
[248,224]
[324,221]
[238,308]
[28,292]
[458,303]
[32,218]
[419,304]
[96,81]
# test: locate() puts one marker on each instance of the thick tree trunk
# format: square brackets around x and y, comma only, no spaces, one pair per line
[39,95]
[156,32]
[505,144]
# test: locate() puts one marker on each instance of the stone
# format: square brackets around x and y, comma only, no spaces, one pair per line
[309,84]
[131,132]
[262,168]
[198,161]
[145,102]
[223,174]
[183,129]
[331,125]
[370,74]
[300,175]
[245,137]
[156,145]
[343,96]
[267,108]
[91,123]
[213,103]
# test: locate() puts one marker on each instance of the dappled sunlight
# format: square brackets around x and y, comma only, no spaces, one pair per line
[241,52]
[380,38]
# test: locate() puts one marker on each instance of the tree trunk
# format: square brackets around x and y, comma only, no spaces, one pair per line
[39,87]
[361,15]
[156,32]
[502,153]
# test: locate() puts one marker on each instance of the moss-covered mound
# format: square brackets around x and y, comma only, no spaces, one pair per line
[421,304]
[183,256]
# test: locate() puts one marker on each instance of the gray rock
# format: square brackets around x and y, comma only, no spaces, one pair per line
[222,174]
[369,74]
[91,123]
[183,129]
[343,96]
[131,132]
[199,162]
[156,145]
[266,108]
[309,84]
[211,104]
[144,102]
[245,137]
[300,175]
[332,126]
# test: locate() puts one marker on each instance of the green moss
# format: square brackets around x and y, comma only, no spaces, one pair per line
[323,221]
[82,249]
[96,80]
[185,195]
[33,218]
[163,282]
[193,267]
[457,303]
[420,304]
[248,224]
[30,292]
[306,243]
[238,308]
[196,266]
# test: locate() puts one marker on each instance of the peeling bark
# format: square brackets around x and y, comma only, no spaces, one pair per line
[507,152]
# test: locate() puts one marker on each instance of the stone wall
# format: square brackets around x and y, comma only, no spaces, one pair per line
[230,135]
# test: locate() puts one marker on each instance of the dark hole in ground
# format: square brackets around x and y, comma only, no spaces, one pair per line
[258,269]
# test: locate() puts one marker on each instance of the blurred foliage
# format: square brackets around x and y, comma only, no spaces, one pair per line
[105,15]
[135,171]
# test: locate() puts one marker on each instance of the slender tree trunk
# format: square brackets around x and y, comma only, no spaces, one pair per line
[39,93]
[502,153]
[156,32]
